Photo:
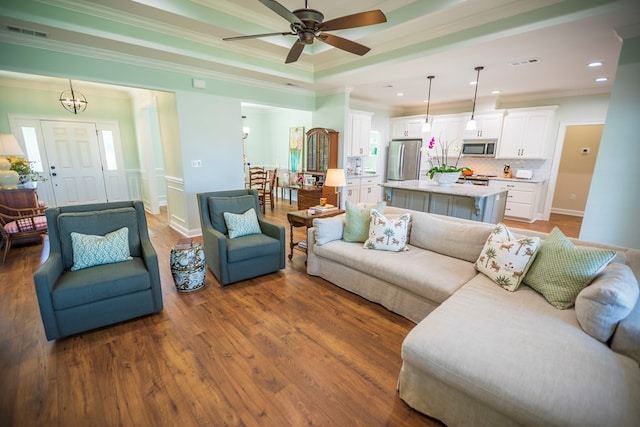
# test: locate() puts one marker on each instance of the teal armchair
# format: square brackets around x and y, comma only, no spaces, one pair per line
[241,258]
[77,301]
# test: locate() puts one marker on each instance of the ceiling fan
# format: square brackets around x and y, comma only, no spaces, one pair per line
[307,25]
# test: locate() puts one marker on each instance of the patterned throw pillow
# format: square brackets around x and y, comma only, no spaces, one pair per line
[505,259]
[561,270]
[242,224]
[388,234]
[356,225]
[90,250]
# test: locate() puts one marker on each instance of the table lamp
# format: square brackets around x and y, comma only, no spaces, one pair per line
[8,178]
[336,178]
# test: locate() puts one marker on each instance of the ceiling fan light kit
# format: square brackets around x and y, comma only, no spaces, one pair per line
[307,24]
[471,124]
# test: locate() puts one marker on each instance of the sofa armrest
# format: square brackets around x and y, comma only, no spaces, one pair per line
[150,257]
[215,248]
[277,232]
[44,280]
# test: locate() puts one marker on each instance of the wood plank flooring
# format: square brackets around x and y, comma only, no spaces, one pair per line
[282,349]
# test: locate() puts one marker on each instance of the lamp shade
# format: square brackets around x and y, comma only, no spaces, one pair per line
[9,145]
[335,178]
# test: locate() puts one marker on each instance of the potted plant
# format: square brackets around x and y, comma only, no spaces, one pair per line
[29,177]
[441,172]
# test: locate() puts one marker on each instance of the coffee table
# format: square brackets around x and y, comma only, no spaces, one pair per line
[303,219]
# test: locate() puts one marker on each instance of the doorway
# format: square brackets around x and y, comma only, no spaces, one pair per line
[82,160]
[577,162]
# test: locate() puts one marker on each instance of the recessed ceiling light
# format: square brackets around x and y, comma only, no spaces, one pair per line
[473,83]
[601,79]
[400,94]
[594,64]
[495,92]
[425,101]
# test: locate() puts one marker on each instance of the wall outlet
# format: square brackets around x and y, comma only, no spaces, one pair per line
[572,196]
[196,163]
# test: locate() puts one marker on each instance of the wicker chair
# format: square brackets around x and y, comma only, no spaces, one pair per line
[21,226]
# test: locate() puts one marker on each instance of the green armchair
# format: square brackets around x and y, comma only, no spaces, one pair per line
[76,301]
[232,260]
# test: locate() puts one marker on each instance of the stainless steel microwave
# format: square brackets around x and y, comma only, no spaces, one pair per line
[479,148]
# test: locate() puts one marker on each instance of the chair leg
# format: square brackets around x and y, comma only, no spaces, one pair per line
[7,245]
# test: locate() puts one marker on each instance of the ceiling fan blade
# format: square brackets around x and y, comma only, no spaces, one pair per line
[344,44]
[253,36]
[282,11]
[361,19]
[295,52]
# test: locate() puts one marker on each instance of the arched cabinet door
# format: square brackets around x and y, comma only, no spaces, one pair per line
[322,150]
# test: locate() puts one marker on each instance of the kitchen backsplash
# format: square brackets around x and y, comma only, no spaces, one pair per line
[489,166]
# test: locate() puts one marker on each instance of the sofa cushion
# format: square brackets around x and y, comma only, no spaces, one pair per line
[90,250]
[388,234]
[463,240]
[357,218]
[538,367]
[428,274]
[251,246]
[328,229]
[242,224]
[505,259]
[97,223]
[561,269]
[235,204]
[607,300]
[75,288]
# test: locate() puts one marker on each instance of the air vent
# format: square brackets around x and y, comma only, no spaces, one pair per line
[524,62]
[26,31]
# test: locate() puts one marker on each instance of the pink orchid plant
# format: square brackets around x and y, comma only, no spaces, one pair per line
[438,160]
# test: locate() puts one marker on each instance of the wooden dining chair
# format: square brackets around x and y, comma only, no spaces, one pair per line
[270,188]
[258,182]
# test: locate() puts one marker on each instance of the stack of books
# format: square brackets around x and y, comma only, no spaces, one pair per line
[323,209]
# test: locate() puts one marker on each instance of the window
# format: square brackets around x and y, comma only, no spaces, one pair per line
[109,150]
[31,145]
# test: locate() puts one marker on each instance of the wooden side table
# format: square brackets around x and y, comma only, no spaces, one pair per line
[302,219]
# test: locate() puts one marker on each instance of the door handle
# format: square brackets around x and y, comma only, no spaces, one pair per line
[54,174]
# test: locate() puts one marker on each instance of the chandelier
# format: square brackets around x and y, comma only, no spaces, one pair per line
[73,101]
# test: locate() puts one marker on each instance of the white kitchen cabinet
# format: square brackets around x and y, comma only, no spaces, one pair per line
[522,198]
[363,189]
[448,128]
[407,127]
[525,134]
[358,134]
[488,126]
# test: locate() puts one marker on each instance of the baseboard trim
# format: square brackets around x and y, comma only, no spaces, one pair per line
[567,212]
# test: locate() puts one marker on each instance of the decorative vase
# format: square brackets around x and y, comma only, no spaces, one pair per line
[31,184]
[445,179]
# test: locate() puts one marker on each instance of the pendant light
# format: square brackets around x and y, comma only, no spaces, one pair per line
[426,127]
[471,124]
[73,101]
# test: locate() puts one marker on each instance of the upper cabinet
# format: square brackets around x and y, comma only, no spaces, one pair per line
[448,129]
[407,127]
[488,126]
[358,133]
[322,150]
[525,133]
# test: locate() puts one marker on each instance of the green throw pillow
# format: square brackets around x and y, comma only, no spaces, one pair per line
[242,224]
[561,269]
[357,219]
[89,250]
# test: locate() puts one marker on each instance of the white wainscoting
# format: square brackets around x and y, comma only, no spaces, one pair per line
[176,205]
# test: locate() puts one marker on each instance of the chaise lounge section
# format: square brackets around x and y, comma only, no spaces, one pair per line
[479,354]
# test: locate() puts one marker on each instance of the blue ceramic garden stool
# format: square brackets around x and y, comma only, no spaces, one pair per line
[188,266]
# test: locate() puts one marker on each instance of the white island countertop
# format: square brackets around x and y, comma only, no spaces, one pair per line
[466,190]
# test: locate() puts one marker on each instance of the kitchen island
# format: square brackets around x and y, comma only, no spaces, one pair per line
[474,202]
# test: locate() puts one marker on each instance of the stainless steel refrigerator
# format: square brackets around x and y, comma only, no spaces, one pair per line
[403,159]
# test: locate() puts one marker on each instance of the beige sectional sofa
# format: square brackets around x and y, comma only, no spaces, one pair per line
[481,355]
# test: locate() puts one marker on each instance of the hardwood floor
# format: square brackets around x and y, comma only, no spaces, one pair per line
[568,224]
[282,349]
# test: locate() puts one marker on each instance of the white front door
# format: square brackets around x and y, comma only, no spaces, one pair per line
[75,163]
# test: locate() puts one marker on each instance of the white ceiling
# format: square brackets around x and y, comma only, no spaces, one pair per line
[445,38]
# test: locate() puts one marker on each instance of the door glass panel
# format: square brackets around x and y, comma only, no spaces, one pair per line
[31,145]
[109,150]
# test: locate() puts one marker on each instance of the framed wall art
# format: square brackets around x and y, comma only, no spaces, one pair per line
[296,148]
